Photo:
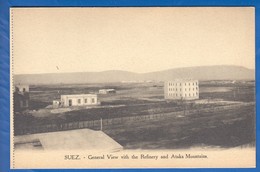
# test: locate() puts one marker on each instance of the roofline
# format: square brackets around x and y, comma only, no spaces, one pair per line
[182,80]
[79,95]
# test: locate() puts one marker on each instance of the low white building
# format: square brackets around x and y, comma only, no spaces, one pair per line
[79,100]
[107,91]
[185,89]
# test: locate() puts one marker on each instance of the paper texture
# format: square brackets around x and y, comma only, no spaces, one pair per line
[132,87]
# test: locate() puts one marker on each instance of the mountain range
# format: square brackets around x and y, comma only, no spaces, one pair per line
[221,72]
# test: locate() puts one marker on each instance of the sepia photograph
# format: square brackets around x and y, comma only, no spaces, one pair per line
[168,87]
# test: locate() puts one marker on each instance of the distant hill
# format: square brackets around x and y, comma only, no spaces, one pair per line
[200,73]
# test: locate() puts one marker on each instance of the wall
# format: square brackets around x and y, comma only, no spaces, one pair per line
[65,100]
[177,90]
[22,88]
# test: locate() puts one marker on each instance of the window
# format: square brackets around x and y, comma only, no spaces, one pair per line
[79,101]
[176,89]
[23,89]
[176,95]
[93,100]
[193,89]
[86,100]
[189,84]
[180,89]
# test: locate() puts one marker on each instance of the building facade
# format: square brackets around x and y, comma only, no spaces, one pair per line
[107,91]
[79,100]
[185,89]
[21,98]
[56,103]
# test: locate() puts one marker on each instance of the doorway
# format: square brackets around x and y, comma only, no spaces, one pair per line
[70,102]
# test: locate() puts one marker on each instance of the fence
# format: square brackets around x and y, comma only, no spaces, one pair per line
[96,124]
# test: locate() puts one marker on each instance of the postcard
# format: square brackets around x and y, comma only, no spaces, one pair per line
[132,87]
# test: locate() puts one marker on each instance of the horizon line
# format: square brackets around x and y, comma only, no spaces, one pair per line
[132,71]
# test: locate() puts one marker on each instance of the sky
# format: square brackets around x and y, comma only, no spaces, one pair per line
[57,40]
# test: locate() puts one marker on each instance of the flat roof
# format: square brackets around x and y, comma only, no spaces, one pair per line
[19,85]
[81,139]
[182,80]
[80,95]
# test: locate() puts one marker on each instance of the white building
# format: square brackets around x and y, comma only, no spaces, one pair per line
[55,103]
[107,91]
[22,88]
[79,100]
[186,89]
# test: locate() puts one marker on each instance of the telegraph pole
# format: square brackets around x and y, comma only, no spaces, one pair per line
[101,124]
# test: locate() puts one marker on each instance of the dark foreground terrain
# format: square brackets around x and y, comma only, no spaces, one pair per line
[231,126]
[224,129]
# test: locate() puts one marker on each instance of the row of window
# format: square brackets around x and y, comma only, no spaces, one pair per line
[184,95]
[86,101]
[172,89]
[173,84]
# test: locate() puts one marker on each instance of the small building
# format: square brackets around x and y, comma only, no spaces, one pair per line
[21,98]
[183,89]
[107,91]
[22,88]
[56,103]
[79,100]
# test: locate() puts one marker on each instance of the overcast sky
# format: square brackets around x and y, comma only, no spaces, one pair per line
[55,40]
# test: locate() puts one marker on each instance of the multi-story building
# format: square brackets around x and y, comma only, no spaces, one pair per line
[21,98]
[186,89]
[79,100]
